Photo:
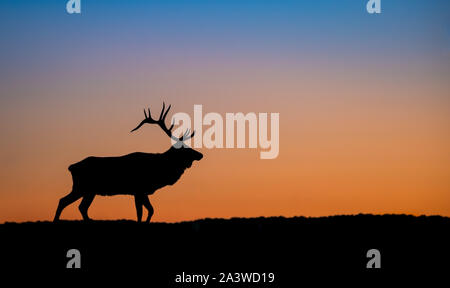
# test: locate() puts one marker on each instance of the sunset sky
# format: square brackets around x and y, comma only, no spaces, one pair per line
[364,103]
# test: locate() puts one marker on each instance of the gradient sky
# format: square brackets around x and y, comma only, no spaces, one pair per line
[364,103]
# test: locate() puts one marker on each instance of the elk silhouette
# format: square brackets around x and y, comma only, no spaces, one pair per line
[138,174]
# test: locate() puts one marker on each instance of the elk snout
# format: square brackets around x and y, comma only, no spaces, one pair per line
[199,156]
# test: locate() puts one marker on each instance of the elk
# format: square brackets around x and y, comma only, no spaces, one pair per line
[138,174]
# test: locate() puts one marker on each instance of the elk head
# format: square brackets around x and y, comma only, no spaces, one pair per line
[179,150]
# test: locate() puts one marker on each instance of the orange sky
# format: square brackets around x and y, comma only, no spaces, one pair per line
[345,147]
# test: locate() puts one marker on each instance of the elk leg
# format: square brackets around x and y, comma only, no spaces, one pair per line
[84,205]
[149,207]
[66,201]
[138,202]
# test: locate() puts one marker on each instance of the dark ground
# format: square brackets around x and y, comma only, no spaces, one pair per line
[292,248]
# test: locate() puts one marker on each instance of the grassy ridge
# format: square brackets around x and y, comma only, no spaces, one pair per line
[287,246]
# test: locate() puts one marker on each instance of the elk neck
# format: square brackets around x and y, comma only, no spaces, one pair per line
[178,158]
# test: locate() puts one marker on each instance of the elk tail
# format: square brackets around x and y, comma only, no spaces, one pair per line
[72,168]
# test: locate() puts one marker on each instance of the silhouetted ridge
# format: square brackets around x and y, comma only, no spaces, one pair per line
[287,246]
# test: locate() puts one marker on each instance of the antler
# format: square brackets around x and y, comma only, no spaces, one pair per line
[161,123]
[186,135]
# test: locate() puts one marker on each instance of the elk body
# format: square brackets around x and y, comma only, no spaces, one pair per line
[137,174]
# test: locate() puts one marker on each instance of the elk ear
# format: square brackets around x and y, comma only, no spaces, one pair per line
[178,144]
